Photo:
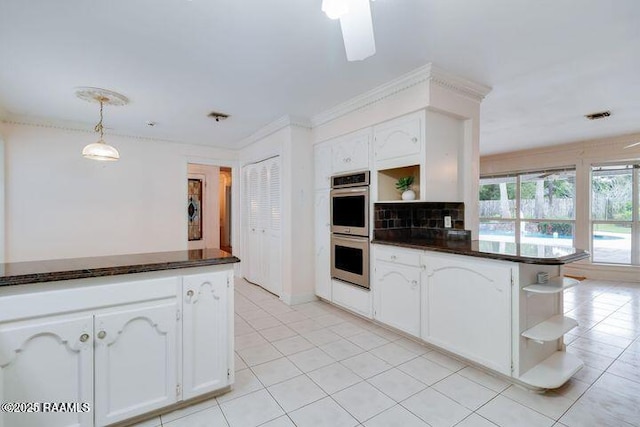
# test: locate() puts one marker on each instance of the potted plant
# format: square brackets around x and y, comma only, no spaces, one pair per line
[404,186]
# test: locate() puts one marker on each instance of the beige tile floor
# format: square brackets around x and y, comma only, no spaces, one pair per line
[316,365]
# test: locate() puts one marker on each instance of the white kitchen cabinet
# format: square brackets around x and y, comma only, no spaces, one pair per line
[351,152]
[399,142]
[205,333]
[396,296]
[322,245]
[47,360]
[352,297]
[263,229]
[136,356]
[466,307]
[322,166]
[125,347]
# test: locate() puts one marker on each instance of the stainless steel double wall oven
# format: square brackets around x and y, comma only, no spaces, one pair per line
[350,228]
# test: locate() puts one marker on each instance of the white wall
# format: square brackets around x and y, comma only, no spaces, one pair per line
[581,155]
[2,204]
[302,230]
[294,146]
[60,205]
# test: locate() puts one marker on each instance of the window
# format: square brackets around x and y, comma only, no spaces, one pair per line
[614,214]
[531,207]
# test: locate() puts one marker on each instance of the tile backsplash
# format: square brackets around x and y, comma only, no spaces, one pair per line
[418,215]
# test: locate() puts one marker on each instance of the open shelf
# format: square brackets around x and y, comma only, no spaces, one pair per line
[553,371]
[387,179]
[555,285]
[551,329]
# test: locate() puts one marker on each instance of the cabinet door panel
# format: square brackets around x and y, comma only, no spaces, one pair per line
[468,309]
[322,165]
[397,296]
[322,245]
[350,153]
[205,333]
[47,361]
[135,361]
[398,138]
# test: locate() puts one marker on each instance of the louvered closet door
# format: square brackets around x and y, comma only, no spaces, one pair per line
[253,272]
[263,228]
[246,207]
[263,223]
[274,230]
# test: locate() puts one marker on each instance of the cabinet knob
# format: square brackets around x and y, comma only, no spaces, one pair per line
[348,159]
[102,334]
[84,337]
[414,139]
[393,257]
[190,293]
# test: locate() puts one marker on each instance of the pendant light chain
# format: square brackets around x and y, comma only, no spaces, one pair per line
[99,127]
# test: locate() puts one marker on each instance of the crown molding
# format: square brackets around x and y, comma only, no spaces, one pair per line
[426,73]
[273,127]
[75,127]
[465,87]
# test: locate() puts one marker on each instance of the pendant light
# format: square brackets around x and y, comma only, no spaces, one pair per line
[100,150]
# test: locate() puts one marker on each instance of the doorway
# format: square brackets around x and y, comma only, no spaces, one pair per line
[225,209]
[209,204]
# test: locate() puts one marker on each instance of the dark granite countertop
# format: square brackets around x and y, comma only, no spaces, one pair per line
[527,253]
[22,273]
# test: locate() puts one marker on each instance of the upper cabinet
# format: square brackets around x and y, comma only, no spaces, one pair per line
[322,163]
[351,152]
[426,145]
[399,142]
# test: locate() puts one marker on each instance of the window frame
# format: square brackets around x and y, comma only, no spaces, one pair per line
[634,222]
[518,219]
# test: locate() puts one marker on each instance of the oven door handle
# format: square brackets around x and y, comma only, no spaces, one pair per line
[348,191]
[358,239]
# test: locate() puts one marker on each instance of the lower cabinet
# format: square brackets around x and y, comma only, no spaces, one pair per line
[138,349]
[205,366]
[466,308]
[351,297]
[47,360]
[136,354]
[396,296]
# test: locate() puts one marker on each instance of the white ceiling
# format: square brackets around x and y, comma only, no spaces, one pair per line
[549,63]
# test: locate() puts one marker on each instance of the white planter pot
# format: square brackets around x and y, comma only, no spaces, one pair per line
[409,195]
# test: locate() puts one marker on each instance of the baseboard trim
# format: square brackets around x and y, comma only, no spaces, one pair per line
[620,273]
[298,299]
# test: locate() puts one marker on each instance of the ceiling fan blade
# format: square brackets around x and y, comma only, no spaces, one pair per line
[357,31]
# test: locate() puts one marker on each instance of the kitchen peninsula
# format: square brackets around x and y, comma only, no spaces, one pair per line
[481,300]
[127,334]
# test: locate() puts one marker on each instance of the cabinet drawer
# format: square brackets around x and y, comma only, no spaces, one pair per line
[398,255]
[352,297]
